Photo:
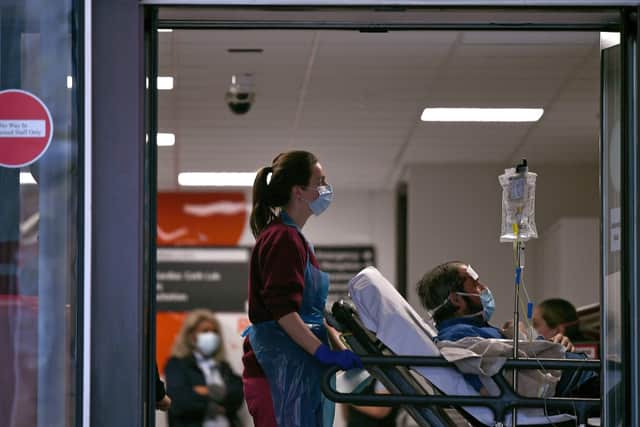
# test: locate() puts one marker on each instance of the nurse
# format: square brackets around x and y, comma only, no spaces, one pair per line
[285,349]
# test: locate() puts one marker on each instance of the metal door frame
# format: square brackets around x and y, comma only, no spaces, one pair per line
[123,227]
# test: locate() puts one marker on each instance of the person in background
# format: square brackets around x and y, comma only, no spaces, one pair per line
[557,316]
[285,348]
[205,392]
[371,416]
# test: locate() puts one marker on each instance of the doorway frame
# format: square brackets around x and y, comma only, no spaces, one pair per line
[113,56]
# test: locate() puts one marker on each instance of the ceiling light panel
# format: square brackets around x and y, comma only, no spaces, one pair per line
[165,83]
[494,115]
[216,179]
[165,139]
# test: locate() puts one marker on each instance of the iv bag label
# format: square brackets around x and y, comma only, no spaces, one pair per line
[516,188]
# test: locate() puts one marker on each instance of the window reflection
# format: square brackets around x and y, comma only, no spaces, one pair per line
[38,221]
[614,408]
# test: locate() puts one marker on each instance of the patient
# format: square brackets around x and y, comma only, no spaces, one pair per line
[461,306]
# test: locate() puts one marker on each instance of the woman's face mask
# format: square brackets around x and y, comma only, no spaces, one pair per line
[323,201]
[207,343]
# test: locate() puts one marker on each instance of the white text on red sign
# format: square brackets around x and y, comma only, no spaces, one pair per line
[22,128]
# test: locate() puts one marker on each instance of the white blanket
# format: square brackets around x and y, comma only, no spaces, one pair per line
[485,357]
[394,322]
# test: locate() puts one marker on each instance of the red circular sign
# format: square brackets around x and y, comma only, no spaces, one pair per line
[26,128]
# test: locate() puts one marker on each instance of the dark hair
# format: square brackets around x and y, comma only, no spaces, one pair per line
[287,170]
[436,285]
[556,311]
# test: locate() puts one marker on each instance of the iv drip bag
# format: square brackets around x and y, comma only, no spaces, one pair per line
[518,204]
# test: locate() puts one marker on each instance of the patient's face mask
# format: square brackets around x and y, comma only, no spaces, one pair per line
[487,300]
[488,303]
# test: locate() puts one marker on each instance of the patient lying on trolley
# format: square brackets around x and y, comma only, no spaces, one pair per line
[461,307]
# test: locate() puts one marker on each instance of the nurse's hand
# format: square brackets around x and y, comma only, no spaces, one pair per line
[345,359]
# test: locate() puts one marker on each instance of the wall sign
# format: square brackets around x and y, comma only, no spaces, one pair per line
[26,128]
[211,278]
[342,263]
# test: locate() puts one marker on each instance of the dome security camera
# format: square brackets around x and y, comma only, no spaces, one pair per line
[240,95]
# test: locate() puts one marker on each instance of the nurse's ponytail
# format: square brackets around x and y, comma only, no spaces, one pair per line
[262,214]
[273,184]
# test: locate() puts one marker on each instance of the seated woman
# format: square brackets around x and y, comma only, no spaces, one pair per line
[557,316]
[205,392]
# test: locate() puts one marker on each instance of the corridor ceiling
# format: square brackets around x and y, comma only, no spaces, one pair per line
[355,99]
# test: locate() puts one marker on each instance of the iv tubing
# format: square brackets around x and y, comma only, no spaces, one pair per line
[516,313]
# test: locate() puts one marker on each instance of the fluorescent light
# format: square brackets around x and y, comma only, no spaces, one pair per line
[69,82]
[216,179]
[27,178]
[481,114]
[165,30]
[165,83]
[609,40]
[165,139]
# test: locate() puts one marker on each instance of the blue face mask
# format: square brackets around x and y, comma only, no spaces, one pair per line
[488,303]
[321,204]
[487,300]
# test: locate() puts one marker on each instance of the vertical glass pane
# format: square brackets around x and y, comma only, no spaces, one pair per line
[611,262]
[39,260]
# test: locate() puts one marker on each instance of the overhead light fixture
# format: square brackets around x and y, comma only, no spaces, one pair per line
[165,83]
[609,40]
[165,139]
[481,114]
[69,82]
[245,50]
[165,30]
[216,179]
[27,178]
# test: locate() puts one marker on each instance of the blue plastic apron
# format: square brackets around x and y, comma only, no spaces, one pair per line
[294,375]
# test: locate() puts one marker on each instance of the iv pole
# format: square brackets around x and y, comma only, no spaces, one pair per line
[518,247]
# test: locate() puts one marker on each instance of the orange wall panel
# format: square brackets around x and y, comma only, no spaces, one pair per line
[168,325]
[201,219]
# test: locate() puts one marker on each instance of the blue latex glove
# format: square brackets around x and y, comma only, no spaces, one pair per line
[344,358]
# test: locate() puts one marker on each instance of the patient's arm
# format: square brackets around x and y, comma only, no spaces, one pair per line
[507,331]
[299,332]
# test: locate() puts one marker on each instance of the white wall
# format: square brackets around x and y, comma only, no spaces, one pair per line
[454,213]
[359,217]
[569,262]
[355,217]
